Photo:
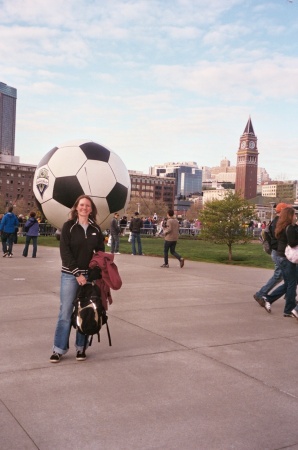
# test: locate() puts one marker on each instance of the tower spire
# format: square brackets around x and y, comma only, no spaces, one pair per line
[249,128]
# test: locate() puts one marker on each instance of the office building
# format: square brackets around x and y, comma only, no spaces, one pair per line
[149,187]
[8,101]
[187,175]
[16,187]
[280,190]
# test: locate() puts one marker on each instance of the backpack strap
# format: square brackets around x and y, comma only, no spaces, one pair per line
[86,342]
[109,336]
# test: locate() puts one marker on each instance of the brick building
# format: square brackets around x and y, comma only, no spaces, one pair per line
[16,187]
[153,188]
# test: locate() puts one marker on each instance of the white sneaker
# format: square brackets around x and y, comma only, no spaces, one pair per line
[117,253]
[295,313]
[267,306]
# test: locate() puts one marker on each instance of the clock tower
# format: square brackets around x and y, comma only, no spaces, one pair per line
[247,163]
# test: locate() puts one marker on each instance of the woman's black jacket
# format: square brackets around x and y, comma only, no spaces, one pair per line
[77,248]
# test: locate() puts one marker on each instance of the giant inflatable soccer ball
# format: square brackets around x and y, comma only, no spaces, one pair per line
[76,168]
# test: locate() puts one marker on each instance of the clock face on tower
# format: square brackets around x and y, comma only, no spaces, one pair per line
[243,144]
[252,144]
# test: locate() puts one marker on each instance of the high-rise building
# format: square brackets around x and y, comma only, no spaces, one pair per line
[247,163]
[8,101]
[187,175]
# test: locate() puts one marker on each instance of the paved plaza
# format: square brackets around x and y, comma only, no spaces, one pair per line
[195,362]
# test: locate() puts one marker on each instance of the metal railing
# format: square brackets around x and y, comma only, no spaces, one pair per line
[155,232]
[45,229]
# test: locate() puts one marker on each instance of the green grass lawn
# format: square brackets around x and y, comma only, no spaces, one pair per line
[192,249]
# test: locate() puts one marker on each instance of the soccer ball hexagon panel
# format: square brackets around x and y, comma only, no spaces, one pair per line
[81,167]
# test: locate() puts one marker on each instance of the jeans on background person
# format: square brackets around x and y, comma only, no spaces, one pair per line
[34,244]
[115,240]
[7,243]
[15,237]
[68,290]
[274,280]
[136,237]
[4,243]
[290,276]
[170,245]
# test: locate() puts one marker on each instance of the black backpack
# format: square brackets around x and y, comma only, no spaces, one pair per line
[266,240]
[89,315]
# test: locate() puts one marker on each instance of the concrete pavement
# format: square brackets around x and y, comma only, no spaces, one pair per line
[195,362]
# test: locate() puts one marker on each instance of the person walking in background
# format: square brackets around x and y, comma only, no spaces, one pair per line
[123,224]
[250,227]
[277,274]
[80,238]
[115,234]
[32,227]
[135,226]
[171,234]
[147,225]
[286,232]
[162,226]
[8,226]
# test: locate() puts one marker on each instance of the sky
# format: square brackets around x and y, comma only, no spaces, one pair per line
[155,80]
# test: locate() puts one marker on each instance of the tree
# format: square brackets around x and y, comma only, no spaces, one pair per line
[193,212]
[146,207]
[223,221]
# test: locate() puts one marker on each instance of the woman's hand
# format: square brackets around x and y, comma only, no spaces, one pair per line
[81,280]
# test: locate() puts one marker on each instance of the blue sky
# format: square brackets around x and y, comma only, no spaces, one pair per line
[155,80]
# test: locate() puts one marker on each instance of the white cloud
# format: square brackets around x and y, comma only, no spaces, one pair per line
[152,77]
[275,78]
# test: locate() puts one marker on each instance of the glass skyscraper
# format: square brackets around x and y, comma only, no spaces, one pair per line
[187,174]
[8,101]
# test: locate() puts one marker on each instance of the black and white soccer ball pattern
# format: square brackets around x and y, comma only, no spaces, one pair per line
[81,167]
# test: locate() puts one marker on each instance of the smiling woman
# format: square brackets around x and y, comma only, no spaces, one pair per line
[80,238]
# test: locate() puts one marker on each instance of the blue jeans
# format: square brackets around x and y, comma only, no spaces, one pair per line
[34,243]
[136,237]
[115,243]
[290,276]
[7,243]
[170,245]
[274,280]
[68,290]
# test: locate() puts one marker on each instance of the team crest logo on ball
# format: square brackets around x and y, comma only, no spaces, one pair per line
[42,180]
[76,168]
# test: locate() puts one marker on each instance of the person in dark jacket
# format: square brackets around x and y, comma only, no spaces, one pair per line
[80,238]
[277,274]
[123,224]
[32,226]
[8,225]
[115,234]
[135,226]
[286,233]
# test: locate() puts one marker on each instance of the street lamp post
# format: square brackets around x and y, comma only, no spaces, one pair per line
[272,205]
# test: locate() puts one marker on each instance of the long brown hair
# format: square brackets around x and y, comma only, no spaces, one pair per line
[285,218]
[74,213]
